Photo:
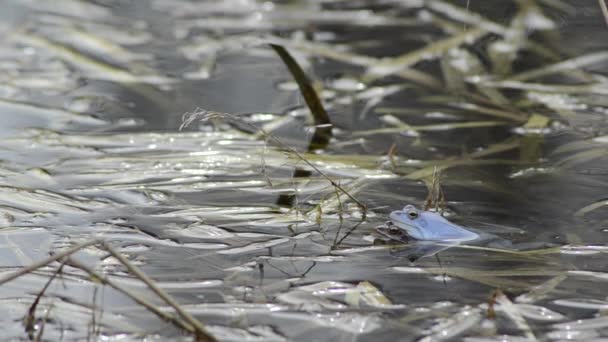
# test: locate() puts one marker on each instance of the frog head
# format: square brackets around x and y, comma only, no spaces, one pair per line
[426,225]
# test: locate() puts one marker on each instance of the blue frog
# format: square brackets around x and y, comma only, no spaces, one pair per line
[425,225]
[428,233]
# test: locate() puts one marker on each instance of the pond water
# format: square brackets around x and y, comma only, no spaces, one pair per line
[506,98]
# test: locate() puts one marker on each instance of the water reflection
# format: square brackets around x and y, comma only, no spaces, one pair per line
[92,95]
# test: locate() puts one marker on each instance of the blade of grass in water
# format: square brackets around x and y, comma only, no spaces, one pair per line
[526,253]
[499,113]
[458,65]
[573,146]
[506,145]
[388,66]
[582,157]
[434,127]
[321,118]
[331,52]
[465,16]
[561,67]
[515,315]
[515,272]
[540,291]
[604,9]
[94,68]
[591,207]
[85,40]
[443,165]
[598,88]
[487,278]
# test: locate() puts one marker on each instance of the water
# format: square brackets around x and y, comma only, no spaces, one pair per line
[92,98]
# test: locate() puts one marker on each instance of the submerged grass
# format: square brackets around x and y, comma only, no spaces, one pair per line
[323,131]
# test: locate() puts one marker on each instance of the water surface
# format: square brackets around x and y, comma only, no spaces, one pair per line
[92,98]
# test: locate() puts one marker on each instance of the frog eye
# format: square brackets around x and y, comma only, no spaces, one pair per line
[412,214]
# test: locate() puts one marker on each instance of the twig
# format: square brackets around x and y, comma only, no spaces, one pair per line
[199,329]
[391,155]
[106,281]
[189,324]
[30,320]
[347,234]
[42,325]
[46,261]
[205,115]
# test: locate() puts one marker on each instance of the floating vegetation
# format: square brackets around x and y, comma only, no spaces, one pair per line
[253,221]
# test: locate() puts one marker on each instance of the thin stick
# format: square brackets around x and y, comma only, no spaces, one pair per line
[43,324]
[329,179]
[604,8]
[391,155]
[347,234]
[191,325]
[46,261]
[106,281]
[200,330]
[30,319]
[206,115]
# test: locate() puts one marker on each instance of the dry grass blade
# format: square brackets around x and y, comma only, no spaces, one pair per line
[604,9]
[436,196]
[498,113]
[573,146]
[515,315]
[330,52]
[189,324]
[475,20]
[47,261]
[388,66]
[70,55]
[151,307]
[391,155]
[483,277]
[199,329]
[441,165]
[596,88]
[207,115]
[433,127]
[591,207]
[539,292]
[30,319]
[562,67]
[583,157]
[444,165]
[516,272]
[526,253]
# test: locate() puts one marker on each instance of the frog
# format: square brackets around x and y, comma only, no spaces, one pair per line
[428,233]
[425,226]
